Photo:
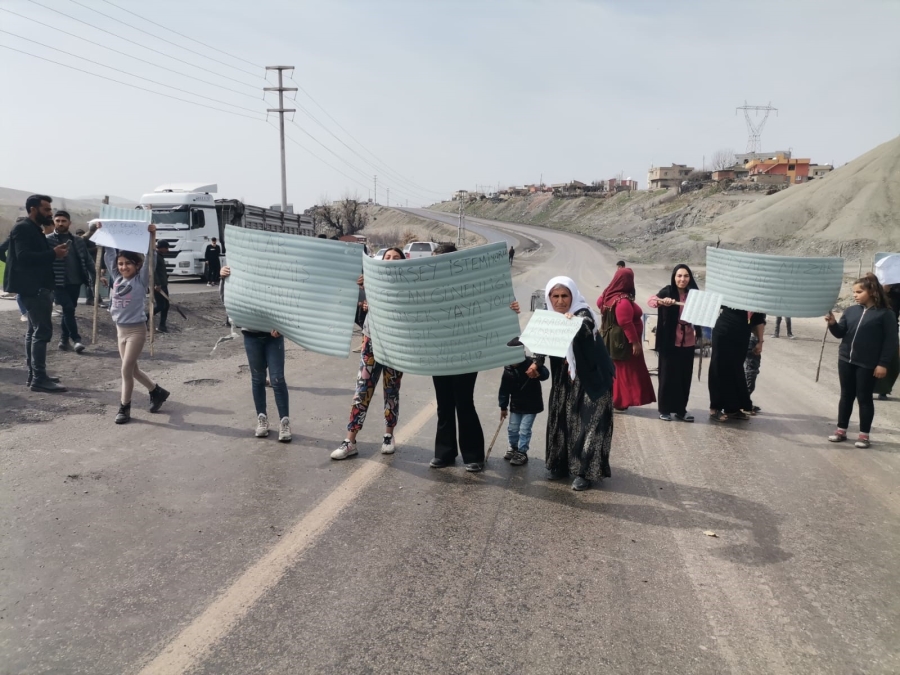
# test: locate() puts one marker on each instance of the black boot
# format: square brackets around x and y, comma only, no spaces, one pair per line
[124,414]
[31,378]
[158,396]
[39,380]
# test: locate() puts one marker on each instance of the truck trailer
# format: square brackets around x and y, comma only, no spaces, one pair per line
[187,217]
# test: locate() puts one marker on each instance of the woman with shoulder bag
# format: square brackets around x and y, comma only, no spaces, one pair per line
[622,326]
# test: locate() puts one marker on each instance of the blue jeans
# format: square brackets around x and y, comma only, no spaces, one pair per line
[519,430]
[267,352]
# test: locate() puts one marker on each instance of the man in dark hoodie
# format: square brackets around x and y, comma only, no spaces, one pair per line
[29,272]
[521,395]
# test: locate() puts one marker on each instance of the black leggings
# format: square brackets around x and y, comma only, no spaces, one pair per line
[856,383]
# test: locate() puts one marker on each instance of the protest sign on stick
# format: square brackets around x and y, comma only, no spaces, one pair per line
[444,315]
[124,235]
[887,268]
[702,308]
[550,333]
[303,287]
[774,284]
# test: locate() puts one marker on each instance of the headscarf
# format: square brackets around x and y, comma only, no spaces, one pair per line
[673,290]
[578,303]
[621,286]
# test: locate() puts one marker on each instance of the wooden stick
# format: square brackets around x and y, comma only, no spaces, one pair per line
[700,367]
[96,292]
[493,440]
[821,353]
[152,262]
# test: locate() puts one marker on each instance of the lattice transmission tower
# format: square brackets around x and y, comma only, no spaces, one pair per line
[755,125]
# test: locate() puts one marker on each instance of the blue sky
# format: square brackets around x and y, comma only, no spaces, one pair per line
[446,95]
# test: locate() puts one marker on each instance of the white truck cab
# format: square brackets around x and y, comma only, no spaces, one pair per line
[185,217]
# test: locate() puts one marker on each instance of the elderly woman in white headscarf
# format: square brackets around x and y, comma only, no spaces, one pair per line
[580,420]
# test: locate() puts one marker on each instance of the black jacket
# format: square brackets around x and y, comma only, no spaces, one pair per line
[29,260]
[520,393]
[868,336]
[79,249]
[161,274]
[212,253]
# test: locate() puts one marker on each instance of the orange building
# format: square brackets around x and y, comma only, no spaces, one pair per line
[796,170]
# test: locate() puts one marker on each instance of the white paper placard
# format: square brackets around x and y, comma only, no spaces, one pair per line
[887,269]
[702,308]
[550,333]
[124,235]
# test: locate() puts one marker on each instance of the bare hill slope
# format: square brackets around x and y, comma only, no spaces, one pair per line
[857,205]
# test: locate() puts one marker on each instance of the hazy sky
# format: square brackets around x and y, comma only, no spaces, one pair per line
[447,95]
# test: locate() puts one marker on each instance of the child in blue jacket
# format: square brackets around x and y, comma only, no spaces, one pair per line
[521,396]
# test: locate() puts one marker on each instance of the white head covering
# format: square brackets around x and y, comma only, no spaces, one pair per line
[578,302]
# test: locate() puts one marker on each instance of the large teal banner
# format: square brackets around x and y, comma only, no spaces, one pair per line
[444,315]
[303,287]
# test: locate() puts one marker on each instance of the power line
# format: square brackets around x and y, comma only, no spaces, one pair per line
[140,77]
[341,141]
[338,124]
[174,44]
[310,152]
[189,37]
[130,56]
[128,84]
[155,51]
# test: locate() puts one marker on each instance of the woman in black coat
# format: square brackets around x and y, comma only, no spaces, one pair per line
[676,341]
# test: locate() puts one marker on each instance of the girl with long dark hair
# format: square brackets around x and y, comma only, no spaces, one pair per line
[868,333]
[675,344]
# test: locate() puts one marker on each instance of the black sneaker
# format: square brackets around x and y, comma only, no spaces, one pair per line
[510,451]
[157,397]
[124,414]
[518,459]
[64,346]
[53,379]
[474,467]
[438,463]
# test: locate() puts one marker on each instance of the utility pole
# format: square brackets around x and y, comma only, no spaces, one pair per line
[375,188]
[281,110]
[459,227]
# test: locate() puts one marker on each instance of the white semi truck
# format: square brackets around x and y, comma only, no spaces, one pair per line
[187,217]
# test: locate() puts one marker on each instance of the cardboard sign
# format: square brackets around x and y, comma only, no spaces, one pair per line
[443,315]
[303,287]
[774,284]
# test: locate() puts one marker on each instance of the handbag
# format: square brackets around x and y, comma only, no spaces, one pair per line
[614,335]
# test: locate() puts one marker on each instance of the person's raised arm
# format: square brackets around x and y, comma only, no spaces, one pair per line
[109,257]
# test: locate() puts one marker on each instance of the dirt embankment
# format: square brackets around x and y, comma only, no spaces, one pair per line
[853,211]
[388,227]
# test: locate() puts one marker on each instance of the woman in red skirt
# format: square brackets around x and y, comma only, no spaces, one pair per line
[623,322]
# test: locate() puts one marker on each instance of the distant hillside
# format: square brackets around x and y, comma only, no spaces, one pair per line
[12,206]
[854,208]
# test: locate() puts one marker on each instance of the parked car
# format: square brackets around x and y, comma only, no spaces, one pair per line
[379,255]
[419,249]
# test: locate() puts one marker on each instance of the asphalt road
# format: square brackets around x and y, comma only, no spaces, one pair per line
[179,543]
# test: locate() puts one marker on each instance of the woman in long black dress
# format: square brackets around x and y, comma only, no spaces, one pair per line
[728,393]
[580,417]
[675,343]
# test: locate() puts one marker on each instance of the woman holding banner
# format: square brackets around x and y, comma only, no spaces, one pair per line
[868,334]
[729,396]
[579,420]
[369,373]
[675,343]
[455,396]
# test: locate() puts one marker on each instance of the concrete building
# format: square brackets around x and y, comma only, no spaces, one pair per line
[796,169]
[668,176]
[819,170]
[748,157]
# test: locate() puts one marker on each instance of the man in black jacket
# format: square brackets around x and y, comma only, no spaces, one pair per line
[29,272]
[70,273]
[213,262]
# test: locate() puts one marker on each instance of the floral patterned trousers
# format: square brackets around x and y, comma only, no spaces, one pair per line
[369,372]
